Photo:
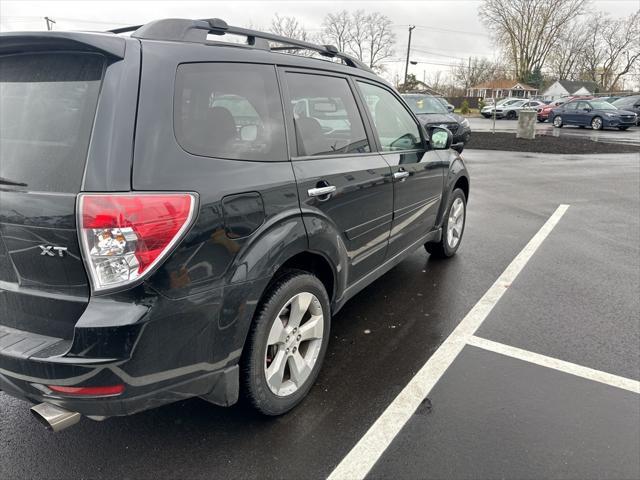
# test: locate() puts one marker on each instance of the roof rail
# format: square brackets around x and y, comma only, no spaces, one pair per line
[184,30]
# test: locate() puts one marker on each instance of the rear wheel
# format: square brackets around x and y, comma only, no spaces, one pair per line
[511,115]
[542,120]
[287,343]
[557,121]
[452,228]
[596,123]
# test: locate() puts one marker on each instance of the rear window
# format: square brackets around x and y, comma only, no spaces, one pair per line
[47,106]
[229,110]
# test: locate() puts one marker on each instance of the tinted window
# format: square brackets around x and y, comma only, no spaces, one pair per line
[325,115]
[229,110]
[570,106]
[47,106]
[600,105]
[395,126]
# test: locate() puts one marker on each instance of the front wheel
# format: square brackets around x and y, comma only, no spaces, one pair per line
[557,121]
[596,123]
[511,115]
[287,343]
[452,228]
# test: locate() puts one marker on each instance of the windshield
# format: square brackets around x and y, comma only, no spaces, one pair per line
[425,104]
[47,105]
[602,106]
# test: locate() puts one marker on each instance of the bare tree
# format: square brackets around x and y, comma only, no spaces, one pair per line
[527,30]
[619,49]
[380,40]
[289,27]
[336,29]
[477,71]
[368,37]
[567,57]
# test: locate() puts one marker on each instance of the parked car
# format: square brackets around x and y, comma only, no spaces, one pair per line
[510,110]
[609,99]
[630,104]
[445,102]
[431,113]
[181,217]
[545,111]
[487,110]
[594,113]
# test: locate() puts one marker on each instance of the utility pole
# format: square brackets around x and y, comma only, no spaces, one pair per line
[50,23]
[406,65]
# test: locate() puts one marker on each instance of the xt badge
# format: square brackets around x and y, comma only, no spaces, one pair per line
[50,250]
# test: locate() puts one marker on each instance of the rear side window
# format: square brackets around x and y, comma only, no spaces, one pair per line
[325,115]
[229,110]
[395,126]
[47,106]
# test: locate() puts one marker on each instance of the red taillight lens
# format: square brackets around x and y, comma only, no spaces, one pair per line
[89,391]
[125,235]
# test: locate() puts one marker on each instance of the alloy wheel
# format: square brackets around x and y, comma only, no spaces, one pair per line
[557,121]
[596,123]
[455,224]
[294,343]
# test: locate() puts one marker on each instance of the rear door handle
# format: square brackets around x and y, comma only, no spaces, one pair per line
[400,175]
[321,191]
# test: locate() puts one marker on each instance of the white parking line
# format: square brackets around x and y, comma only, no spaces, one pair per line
[556,364]
[372,445]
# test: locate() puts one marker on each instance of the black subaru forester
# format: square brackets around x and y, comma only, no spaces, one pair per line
[181,215]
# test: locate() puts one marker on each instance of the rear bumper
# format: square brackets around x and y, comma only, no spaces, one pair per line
[161,350]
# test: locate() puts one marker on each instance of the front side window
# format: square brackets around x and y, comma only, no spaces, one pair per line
[229,110]
[325,115]
[395,126]
[571,106]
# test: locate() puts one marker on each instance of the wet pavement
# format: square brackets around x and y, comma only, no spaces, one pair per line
[630,136]
[489,416]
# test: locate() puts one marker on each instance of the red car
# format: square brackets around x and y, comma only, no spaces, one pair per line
[545,112]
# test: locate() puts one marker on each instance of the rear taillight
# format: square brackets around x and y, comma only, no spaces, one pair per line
[124,236]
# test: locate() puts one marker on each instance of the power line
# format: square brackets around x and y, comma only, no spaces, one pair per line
[439,29]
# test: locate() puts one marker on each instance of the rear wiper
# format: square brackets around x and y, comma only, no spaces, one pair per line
[6,181]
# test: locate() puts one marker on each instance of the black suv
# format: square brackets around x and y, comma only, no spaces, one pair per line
[181,216]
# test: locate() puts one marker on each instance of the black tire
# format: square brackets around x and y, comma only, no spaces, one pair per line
[542,120]
[623,128]
[557,121]
[511,115]
[256,390]
[442,249]
[596,127]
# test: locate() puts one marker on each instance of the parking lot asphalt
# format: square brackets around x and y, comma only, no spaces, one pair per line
[490,415]
[630,136]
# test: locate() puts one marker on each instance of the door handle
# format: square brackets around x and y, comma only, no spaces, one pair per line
[321,191]
[400,175]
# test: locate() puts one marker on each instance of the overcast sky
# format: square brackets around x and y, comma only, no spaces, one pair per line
[446,31]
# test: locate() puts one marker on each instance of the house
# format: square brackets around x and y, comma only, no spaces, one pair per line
[564,88]
[502,88]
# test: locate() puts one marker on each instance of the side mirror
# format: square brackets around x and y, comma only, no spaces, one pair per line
[586,109]
[441,139]
[451,108]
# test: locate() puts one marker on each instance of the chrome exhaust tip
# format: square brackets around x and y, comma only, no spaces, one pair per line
[55,418]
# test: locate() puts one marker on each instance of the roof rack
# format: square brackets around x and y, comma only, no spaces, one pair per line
[184,30]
